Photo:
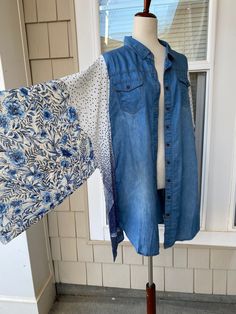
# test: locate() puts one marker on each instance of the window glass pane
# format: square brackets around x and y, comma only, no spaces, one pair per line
[198,88]
[183,24]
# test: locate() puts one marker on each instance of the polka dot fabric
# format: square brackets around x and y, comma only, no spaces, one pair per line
[89,93]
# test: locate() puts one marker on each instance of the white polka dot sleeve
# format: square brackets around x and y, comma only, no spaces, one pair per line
[89,93]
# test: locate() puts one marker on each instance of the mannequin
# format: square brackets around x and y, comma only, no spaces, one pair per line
[145,30]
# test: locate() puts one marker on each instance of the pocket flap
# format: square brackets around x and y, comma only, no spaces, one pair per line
[128,83]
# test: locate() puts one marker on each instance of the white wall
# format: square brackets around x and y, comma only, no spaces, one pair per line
[26,281]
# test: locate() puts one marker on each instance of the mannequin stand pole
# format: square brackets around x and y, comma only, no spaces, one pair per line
[150,289]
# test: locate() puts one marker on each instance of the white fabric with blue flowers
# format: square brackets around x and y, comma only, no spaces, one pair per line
[53,136]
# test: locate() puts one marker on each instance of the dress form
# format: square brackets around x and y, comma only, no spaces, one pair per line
[145,30]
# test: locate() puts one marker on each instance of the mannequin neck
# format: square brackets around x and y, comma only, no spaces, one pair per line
[145,30]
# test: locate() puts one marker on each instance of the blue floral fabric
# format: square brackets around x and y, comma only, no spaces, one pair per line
[44,154]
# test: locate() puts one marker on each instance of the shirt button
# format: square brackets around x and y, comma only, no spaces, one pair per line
[167,144]
[167,108]
[167,126]
[167,87]
[128,86]
[168,162]
[168,180]
[168,197]
[167,214]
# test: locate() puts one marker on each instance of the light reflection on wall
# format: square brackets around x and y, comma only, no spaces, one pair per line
[2,82]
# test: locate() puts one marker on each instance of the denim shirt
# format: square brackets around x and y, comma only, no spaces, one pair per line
[133,107]
[53,135]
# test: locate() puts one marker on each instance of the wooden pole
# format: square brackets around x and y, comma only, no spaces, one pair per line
[146,5]
[150,289]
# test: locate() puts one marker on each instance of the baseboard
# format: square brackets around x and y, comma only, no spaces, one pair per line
[96,291]
[46,297]
[18,305]
[38,305]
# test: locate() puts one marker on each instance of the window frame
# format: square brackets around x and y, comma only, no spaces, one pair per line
[87,19]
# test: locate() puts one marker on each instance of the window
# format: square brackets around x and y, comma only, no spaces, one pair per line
[182,23]
[189,27]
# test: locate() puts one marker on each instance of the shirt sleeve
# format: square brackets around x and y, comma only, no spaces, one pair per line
[91,96]
[50,138]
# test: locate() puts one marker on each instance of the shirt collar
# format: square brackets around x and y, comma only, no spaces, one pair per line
[143,50]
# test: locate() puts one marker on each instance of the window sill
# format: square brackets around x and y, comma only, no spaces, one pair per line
[208,238]
[203,238]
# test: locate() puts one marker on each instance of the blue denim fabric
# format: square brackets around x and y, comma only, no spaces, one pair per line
[133,110]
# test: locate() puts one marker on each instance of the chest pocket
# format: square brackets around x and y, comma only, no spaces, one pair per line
[184,84]
[129,90]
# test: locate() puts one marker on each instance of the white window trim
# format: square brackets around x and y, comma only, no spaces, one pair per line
[88,43]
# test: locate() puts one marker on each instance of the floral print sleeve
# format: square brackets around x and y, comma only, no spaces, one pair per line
[45,153]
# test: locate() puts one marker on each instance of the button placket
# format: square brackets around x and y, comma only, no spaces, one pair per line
[168,147]
[156,96]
